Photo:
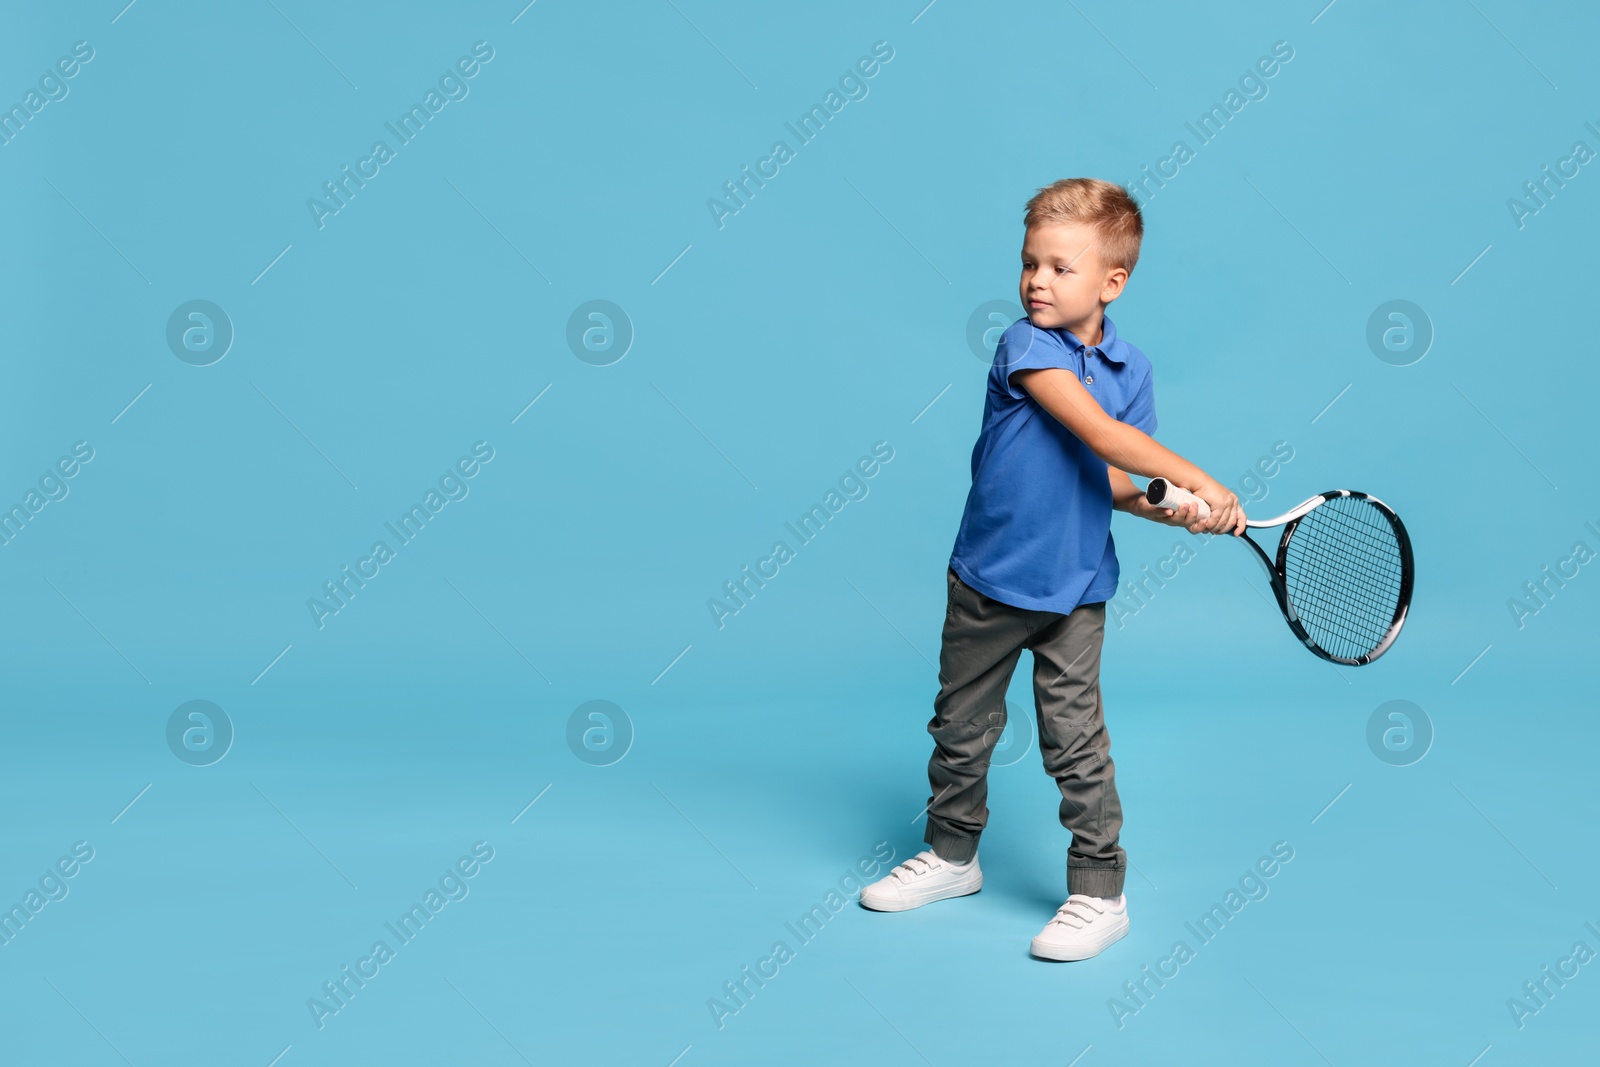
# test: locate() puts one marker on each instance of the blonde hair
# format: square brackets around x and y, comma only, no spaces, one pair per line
[1105,206]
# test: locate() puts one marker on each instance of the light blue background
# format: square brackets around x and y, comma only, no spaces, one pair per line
[770,755]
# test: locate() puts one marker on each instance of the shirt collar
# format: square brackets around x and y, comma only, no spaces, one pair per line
[1110,345]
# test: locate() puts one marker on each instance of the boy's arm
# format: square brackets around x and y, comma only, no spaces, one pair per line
[1060,393]
[1125,496]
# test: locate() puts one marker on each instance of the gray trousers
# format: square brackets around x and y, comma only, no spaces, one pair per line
[983,639]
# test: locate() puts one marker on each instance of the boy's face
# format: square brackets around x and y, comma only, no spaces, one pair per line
[1065,283]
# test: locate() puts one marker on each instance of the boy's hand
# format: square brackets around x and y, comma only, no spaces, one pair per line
[1226,514]
[1188,515]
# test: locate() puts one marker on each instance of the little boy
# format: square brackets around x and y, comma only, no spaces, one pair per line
[1067,418]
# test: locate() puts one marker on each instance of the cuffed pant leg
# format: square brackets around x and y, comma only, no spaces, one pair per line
[982,641]
[1077,749]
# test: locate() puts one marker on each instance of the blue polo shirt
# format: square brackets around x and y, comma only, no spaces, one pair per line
[1036,532]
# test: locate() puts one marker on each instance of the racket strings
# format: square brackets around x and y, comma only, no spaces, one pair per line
[1340,543]
[1344,592]
[1345,579]
[1344,572]
[1345,627]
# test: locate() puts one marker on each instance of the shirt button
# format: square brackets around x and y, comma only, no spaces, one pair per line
[1089,380]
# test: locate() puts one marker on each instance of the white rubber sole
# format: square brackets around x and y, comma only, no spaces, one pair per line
[899,902]
[1082,950]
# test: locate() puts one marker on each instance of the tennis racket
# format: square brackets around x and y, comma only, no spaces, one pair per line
[1343,571]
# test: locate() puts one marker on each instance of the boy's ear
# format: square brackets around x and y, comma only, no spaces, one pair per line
[1111,288]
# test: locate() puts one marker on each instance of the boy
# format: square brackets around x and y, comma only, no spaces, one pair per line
[1067,417]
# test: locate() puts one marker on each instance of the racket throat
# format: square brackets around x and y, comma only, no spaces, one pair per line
[1263,559]
[1280,591]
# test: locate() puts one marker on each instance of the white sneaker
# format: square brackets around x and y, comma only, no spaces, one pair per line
[1083,927]
[922,879]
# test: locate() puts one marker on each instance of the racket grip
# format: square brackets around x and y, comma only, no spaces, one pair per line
[1163,494]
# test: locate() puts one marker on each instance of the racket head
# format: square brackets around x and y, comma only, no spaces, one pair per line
[1344,574]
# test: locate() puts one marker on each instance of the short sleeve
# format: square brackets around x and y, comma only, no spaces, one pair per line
[1141,410]
[1026,347]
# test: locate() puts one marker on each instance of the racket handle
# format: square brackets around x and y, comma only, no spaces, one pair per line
[1163,494]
